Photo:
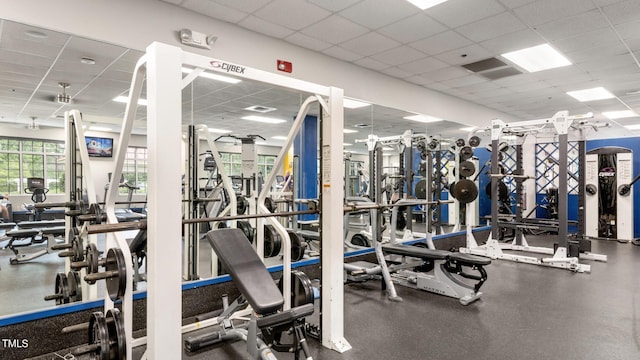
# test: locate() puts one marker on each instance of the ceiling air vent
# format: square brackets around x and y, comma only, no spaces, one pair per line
[260,109]
[492,68]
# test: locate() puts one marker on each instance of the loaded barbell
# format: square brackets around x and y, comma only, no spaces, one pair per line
[67,288]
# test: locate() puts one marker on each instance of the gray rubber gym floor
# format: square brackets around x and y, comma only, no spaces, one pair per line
[527,312]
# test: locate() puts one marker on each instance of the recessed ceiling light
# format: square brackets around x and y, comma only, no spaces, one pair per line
[125,99]
[354,104]
[597,93]
[468,129]
[346,144]
[633,127]
[216,77]
[99,128]
[218,131]
[279,137]
[36,34]
[361,126]
[619,114]
[537,58]
[260,108]
[422,118]
[263,119]
[425,4]
[349,131]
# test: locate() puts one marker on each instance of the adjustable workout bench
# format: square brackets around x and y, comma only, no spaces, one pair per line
[260,291]
[36,236]
[432,270]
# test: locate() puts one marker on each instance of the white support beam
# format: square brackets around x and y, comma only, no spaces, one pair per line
[332,190]
[164,300]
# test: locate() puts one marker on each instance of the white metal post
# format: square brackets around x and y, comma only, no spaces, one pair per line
[164,295]
[332,225]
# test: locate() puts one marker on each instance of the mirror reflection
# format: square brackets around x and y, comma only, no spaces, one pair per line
[233,132]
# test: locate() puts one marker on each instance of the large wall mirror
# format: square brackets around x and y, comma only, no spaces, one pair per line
[46,73]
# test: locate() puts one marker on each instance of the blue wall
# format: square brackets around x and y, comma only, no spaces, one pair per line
[305,146]
[484,204]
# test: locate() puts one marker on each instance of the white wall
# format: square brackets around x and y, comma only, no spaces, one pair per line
[136,24]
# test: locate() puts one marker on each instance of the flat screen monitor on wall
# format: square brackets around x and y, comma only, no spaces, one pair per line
[99,147]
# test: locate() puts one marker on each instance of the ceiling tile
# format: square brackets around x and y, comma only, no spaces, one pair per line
[593,54]
[423,65]
[375,14]
[369,44]
[512,41]
[400,55]
[214,10]
[464,81]
[264,27]
[629,30]
[292,14]
[395,72]
[515,3]
[447,73]
[331,5]
[335,29]
[307,41]
[248,6]
[457,13]
[471,53]
[563,28]
[542,11]
[586,40]
[440,43]
[413,28]
[342,53]
[623,11]
[176,2]
[491,27]
[419,80]
[371,64]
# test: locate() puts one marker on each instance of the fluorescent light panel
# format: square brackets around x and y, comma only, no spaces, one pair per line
[346,144]
[279,137]
[216,77]
[468,129]
[99,128]
[597,93]
[619,114]
[633,127]
[349,131]
[218,131]
[354,104]
[537,58]
[425,4]
[125,99]
[263,119]
[423,118]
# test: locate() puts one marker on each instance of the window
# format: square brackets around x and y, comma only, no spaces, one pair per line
[265,164]
[134,169]
[24,158]
[232,163]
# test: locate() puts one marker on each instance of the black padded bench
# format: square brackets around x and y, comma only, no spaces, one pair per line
[7,225]
[54,231]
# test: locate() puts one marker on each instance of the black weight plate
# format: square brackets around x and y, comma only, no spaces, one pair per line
[433,144]
[78,251]
[467,168]
[117,338]
[466,153]
[422,169]
[297,245]
[301,288]
[421,189]
[270,204]
[591,189]
[272,241]
[474,141]
[624,190]
[401,221]
[465,191]
[75,290]
[460,143]
[99,335]
[360,240]
[62,288]
[503,191]
[115,262]
[241,205]
[92,254]
[247,229]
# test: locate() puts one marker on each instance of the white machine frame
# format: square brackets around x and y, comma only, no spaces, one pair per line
[162,65]
[560,122]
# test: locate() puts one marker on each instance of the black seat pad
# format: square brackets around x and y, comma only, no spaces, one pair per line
[417,252]
[247,271]
[139,242]
[55,231]
[40,224]
[23,232]
[7,225]
[469,259]
[285,317]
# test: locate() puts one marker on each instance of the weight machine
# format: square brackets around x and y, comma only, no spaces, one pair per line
[564,256]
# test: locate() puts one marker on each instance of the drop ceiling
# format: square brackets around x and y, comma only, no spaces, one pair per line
[427,48]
